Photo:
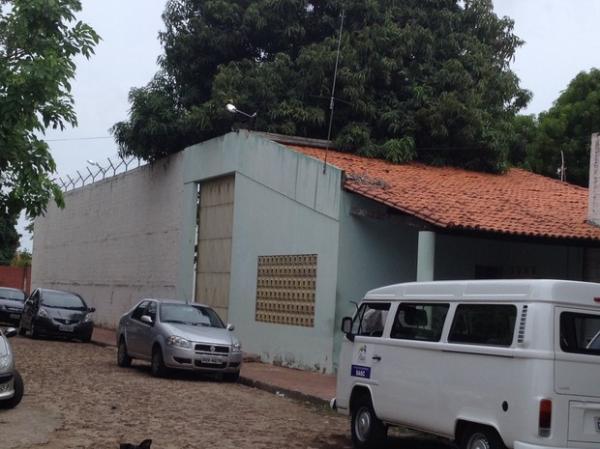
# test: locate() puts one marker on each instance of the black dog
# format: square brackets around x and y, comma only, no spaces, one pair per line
[143,445]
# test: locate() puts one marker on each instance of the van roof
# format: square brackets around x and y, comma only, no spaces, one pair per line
[546,290]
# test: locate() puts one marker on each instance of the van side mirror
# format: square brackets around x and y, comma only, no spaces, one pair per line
[347,328]
[146,319]
[230,327]
[91,310]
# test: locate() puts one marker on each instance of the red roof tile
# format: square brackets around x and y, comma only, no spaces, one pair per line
[517,202]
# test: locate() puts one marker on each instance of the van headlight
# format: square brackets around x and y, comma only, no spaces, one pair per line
[5,363]
[43,313]
[87,318]
[236,346]
[174,340]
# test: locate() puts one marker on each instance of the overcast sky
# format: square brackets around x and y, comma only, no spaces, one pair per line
[561,39]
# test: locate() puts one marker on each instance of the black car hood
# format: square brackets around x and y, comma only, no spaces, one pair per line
[65,314]
[10,304]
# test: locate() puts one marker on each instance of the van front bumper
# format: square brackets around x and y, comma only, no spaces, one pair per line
[520,445]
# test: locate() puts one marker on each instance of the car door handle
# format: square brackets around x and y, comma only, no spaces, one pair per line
[377,358]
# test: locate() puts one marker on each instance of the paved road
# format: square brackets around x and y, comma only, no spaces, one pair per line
[76,397]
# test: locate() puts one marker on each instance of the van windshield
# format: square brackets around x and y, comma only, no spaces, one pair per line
[580,333]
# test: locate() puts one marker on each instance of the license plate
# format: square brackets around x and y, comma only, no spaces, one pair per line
[65,328]
[14,316]
[212,360]
[360,371]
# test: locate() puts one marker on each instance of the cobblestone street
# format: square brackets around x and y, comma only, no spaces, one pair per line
[77,397]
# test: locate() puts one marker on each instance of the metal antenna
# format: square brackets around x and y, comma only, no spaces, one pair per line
[332,99]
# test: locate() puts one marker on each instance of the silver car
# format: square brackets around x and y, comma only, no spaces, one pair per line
[11,383]
[175,334]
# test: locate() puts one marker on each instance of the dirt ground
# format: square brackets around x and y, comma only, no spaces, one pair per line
[77,397]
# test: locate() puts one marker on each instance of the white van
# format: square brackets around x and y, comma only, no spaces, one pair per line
[488,364]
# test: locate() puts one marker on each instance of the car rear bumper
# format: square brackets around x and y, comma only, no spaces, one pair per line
[7,390]
[53,329]
[188,359]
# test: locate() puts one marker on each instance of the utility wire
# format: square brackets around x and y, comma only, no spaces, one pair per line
[332,100]
[67,139]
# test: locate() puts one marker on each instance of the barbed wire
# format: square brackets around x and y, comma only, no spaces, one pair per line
[99,172]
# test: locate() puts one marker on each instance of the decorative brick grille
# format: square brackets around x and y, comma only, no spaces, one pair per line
[285,289]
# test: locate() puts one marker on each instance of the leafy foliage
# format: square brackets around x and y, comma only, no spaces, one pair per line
[21,259]
[568,127]
[38,41]
[418,79]
[9,238]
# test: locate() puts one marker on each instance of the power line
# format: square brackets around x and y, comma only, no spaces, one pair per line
[67,139]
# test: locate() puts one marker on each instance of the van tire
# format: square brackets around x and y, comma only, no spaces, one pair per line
[481,437]
[123,359]
[368,431]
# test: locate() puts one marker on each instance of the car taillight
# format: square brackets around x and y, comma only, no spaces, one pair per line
[545,422]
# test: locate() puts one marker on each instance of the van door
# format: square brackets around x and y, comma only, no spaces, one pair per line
[410,365]
[577,371]
[368,329]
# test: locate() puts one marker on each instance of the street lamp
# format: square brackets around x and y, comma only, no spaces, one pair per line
[231,108]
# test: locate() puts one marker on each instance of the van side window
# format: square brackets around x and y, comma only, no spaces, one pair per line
[370,319]
[580,333]
[483,324]
[422,322]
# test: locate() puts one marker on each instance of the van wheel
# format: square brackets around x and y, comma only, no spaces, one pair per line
[480,437]
[368,432]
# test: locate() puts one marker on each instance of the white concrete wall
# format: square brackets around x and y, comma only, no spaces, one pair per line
[116,241]
[284,205]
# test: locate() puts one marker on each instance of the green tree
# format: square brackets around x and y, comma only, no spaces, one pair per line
[424,79]
[22,259]
[9,238]
[521,134]
[567,126]
[39,40]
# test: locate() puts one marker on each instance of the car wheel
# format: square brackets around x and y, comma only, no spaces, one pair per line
[123,359]
[157,366]
[19,391]
[368,432]
[231,377]
[87,337]
[481,437]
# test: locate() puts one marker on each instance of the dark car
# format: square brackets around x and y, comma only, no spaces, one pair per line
[11,305]
[55,313]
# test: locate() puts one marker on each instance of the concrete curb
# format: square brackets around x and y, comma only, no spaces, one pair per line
[292,394]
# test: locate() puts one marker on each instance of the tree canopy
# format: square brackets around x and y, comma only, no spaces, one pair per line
[427,80]
[567,126]
[38,41]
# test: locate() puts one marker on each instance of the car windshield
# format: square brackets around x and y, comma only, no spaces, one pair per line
[12,294]
[190,314]
[62,300]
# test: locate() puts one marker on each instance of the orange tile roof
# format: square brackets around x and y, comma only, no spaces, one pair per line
[516,203]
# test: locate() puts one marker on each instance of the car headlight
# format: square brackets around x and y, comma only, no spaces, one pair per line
[43,313]
[236,346]
[5,363]
[88,318]
[174,340]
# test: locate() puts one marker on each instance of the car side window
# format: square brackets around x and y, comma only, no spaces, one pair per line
[370,319]
[151,310]
[139,311]
[423,322]
[483,324]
